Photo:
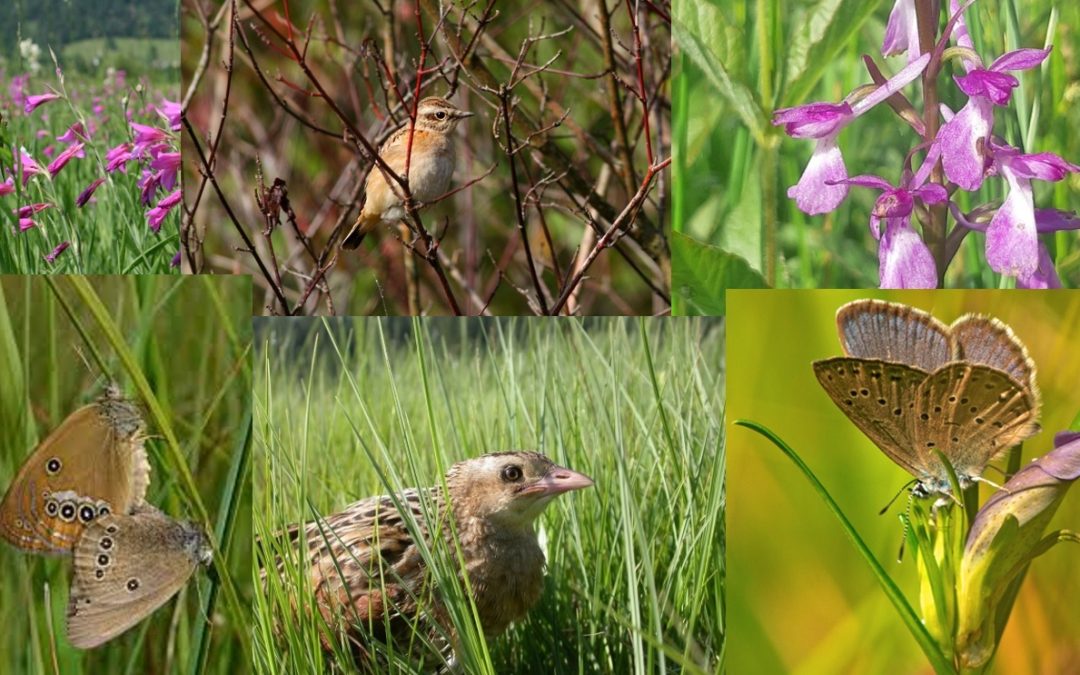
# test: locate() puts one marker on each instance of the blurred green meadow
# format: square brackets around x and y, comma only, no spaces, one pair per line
[801,598]
[180,349]
[738,61]
[347,409]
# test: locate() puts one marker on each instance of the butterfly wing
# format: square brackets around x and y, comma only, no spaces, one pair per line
[94,463]
[987,341]
[126,566]
[878,397]
[971,413]
[886,331]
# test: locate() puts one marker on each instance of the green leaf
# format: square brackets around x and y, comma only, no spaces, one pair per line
[12,386]
[700,274]
[696,26]
[826,30]
[930,648]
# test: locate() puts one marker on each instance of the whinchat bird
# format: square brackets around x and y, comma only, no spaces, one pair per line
[369,577]
[430,167]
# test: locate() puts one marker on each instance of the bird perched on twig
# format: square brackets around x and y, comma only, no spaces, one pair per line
[431,165]
[370,578]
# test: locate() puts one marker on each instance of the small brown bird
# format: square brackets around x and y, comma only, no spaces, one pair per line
[430,168]
[367,570]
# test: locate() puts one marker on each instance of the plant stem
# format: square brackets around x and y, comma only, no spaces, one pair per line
[934,230]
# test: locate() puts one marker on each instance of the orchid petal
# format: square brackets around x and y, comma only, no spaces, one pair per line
[1020,59]
[904,259]
[960,137]
[1011,239]
[819,190]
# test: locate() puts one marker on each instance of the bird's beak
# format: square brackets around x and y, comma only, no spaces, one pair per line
[461,114]
[557,481]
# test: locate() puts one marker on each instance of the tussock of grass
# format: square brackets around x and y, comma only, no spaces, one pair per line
[180,347]
[352,408]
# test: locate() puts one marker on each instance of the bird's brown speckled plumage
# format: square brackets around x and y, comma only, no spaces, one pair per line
[494,501]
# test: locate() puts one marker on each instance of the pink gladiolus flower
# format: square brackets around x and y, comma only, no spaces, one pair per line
[148,185]
[51,257]
[74,150]
[7,187]
[170,110]
[85,195]
[156,215]
[17,90]
[118,157]
[31,209]
[175,262]
[25,224]
[32,102]
[29,166]
[75,132]
[145,137]
[168,163]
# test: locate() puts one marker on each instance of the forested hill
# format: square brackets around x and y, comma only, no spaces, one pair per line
[59,22]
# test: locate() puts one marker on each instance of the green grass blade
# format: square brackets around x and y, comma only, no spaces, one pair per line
[930,648]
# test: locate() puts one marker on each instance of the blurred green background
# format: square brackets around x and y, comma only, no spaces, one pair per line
[801,599]
[739,60]
[177,345]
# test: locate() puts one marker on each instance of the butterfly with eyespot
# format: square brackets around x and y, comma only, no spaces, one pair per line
[93,464]
[916,387]
[127,566]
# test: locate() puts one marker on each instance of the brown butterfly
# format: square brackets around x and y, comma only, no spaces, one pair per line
[917,387]
[93,464]
[126,566]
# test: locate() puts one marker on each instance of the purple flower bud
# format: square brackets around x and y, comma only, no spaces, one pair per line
[32,102]
[51,257]
[1002,540]
[902,31]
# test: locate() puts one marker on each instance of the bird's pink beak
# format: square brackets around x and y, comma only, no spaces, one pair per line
[557,481]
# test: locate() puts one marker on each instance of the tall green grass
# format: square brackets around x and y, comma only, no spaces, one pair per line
[353,408]
[180,348]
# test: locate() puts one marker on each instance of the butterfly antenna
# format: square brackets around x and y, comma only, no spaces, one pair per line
[898,493]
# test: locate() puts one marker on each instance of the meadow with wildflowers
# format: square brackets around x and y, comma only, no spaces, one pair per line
[88,172]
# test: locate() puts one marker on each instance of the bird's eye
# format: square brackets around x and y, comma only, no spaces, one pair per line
[441,115]
[511,473]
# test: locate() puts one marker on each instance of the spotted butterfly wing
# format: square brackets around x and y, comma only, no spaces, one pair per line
[875,397]
[126,566]
[971,413]
[93,464]
[987,341]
